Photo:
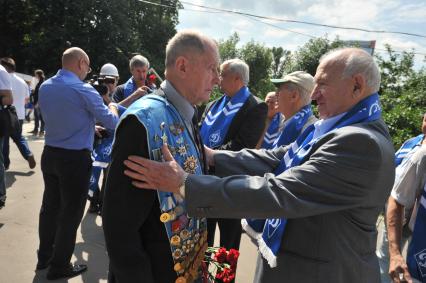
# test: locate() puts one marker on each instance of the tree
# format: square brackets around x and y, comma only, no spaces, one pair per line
[37,32]
[403,94]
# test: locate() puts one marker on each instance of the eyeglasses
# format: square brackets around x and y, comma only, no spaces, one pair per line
[89,70]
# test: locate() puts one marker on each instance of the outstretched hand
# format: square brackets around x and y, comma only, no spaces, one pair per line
[398,270]
[149,174]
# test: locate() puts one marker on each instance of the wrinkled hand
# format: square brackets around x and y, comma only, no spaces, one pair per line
[141,91]
[149,174]
[99,130]
[398,266]
[209,155]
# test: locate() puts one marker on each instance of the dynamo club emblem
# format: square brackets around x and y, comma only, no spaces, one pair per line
[421,262]
[214,138]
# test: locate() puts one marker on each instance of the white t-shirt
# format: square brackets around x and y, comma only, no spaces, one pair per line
[20,91]
[4,79]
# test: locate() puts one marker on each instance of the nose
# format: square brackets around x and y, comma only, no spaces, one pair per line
[315,93]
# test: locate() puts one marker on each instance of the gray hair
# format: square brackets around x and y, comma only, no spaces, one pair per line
[183,43]
[238,66]
[305,95]
[357,61]
[138,61]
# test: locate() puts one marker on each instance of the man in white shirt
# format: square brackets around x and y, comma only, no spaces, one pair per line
[5,99]
[20,93]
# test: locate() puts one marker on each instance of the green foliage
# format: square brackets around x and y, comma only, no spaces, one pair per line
[306,58]
[35,33]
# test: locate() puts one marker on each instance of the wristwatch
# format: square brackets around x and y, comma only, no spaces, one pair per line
[181,189]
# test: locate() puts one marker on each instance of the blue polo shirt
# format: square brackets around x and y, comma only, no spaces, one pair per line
[70,108]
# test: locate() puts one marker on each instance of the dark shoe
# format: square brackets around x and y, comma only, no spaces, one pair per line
[70,271]
[31,161]
[2,203]
[41,134]
[34,132]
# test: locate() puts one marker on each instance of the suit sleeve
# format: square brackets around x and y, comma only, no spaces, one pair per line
[338,175]
[252,126]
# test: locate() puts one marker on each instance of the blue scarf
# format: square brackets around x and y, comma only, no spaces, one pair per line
[407,147]
[288,135]
[219,118]
[273,132]
[294,127]
[366,110]
[416,255]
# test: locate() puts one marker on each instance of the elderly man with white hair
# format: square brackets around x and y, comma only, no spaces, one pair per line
[233,122]
[322,194]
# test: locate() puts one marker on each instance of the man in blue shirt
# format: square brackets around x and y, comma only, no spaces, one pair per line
[70,108]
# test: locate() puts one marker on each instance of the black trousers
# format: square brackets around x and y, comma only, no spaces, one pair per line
[230,232]
[66,175]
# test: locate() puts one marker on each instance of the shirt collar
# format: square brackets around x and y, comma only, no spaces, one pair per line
[68,76]
[182,105]
[323,126]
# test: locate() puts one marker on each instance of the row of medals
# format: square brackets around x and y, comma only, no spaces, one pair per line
[188,248]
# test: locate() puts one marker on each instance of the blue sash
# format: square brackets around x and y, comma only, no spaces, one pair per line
[416,255]
[273,131]
[407,147]
[216,124]
[366,110]
[187,235]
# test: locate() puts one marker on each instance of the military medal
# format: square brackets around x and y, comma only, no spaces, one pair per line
[184,234]
[182,150]
[166,217]
[176,129]
[177,254]
[190,165]
[164,138]
[175,240]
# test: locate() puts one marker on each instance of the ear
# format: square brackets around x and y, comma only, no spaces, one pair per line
[181,66]
[359,85]
[294,95]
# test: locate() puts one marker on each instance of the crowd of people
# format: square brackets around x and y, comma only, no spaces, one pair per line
[308,190]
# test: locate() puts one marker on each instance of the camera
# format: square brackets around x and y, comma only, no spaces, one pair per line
[98,84]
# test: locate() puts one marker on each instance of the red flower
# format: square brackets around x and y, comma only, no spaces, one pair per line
[232,257]
[220,255]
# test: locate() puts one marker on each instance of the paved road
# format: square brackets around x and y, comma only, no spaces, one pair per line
[19,224]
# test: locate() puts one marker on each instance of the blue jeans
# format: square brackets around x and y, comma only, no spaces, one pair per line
[2,177]
[20,142]
[38,119]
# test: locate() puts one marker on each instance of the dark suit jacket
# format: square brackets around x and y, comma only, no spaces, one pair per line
[246,127]
[136,240]
[331,202]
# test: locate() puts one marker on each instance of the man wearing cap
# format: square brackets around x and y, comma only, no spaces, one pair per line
[294,102]
[233,122]
[323,193]
[135,87]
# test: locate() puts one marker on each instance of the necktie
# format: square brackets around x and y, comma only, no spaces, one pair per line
[198,141]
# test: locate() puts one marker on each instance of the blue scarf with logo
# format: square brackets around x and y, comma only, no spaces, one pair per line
[289,134]
[294,128]
[272,132]
[366,110]
[416,255]
[216,124]
[407,147]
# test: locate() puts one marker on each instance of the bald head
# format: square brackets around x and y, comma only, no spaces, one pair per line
[73,55]
[356,61]
[74,59]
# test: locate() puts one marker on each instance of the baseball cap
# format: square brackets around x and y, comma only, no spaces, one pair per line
[300,78]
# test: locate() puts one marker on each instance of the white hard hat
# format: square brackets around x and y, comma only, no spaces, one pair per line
[109,70]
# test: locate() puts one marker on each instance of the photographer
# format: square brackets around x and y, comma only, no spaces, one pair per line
[106,82]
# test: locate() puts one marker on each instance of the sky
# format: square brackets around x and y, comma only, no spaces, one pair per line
[388,15]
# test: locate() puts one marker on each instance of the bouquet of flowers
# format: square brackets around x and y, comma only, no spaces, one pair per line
[219,265]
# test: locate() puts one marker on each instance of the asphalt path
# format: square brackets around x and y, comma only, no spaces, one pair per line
[19,229]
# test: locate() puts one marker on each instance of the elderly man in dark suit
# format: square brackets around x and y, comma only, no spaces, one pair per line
[232,122]
[325,190]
